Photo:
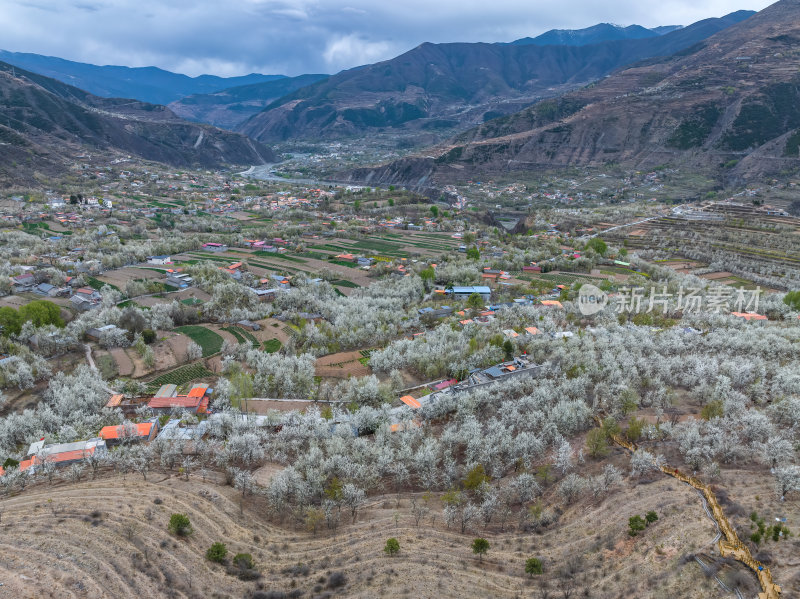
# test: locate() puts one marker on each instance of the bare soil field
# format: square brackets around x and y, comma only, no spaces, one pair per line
[264,406]
[108,538]
[341,365]
[269,330]
[14,301]
[125,365]
[716,276]
[191,293]
[119,277]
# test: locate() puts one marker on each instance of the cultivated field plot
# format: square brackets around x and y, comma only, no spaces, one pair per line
[342,365]
[120,277]
[393,245]
[210,341]
[265,264]
[181,376]
[757,248]
[567,278]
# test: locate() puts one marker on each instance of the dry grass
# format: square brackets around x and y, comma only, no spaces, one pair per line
[108,538]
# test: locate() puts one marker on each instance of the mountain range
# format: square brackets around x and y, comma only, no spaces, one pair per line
[449,87]
[148,84]
[44,123]
[230,107]
[602,32]
[729,103]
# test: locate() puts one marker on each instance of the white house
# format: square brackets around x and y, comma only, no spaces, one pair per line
[159,260]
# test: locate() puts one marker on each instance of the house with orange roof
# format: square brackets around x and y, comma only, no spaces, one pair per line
[141,431]
[115,401]
[61,454]
[552,303]
[411,402]
[749,316]
[196,401]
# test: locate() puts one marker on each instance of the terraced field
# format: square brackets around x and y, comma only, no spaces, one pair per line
[108,538]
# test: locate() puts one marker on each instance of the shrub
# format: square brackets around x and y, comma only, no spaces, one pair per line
[179,524]
[650,517]
[712,409]
[392,546]
[596,443]
[148,335]
[480,547]
[533,566]
[336,580]
[792,299]
[244,561]
[475,478]
[635,525]
[217,553]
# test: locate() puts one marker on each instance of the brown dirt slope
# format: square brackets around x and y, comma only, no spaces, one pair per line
[108,538]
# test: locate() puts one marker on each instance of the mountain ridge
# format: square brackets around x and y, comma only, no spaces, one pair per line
[148,84]
[727,105]
[43,122]
[445,87]
[602,32]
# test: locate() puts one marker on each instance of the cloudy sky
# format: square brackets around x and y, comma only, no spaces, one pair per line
[234,37]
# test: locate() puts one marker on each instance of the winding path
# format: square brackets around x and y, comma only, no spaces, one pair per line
[728,542]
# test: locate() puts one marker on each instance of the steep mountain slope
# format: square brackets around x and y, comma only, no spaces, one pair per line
[149,84]
[454,86]
[43,122]
[731,103]
[229,107]
[602,32]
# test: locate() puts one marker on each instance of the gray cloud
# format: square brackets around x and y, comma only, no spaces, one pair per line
[302,36]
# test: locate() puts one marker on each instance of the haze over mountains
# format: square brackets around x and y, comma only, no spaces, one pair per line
[230,107]
[729,103]
[437,87]
[149,84]
[44,123]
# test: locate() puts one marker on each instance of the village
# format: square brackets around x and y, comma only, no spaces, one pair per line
[301,351]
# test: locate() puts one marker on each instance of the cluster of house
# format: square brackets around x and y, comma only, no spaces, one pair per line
[360,260]
[276,245]
[82,298]
[165,401]
[26,282]
[519,366]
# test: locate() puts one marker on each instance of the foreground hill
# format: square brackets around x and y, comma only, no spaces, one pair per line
[437,87]
[43,122]
[729,103]
[230,107]
[149,84]
[108,538]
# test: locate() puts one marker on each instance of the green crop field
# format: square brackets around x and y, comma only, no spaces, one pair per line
[343,263]
[98,284]
[272,345]
[278,256]
[180,376]
[210,341]
[235,332]
[344,283]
